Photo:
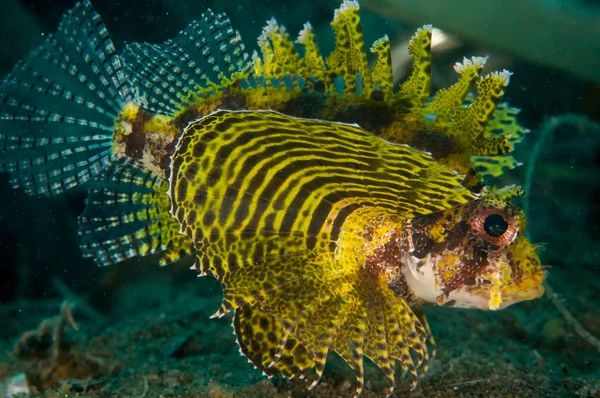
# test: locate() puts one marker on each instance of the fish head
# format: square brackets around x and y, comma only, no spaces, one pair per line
[474,255]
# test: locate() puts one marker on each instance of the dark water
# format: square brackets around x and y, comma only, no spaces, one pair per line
[159,315]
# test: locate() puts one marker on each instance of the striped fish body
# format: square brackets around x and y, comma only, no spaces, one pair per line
[87,115]
[279,209]
[326,238]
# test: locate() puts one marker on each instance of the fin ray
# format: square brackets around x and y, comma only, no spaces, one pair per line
[57,107]
[127,215]
[199,60]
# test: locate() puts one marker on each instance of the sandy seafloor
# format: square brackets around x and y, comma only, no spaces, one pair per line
[157,341]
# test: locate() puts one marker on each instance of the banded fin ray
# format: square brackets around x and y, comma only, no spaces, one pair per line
[198,60]
[127,215]
[57,107]
[260,336]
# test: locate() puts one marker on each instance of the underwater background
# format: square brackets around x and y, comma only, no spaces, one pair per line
[144,330]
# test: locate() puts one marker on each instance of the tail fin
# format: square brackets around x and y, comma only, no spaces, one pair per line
[199,60]
[58,106]
[127,215]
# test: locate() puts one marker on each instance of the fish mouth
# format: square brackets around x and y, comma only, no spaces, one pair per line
[530,288]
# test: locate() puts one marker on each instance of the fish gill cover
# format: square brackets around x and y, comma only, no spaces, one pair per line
[329,205]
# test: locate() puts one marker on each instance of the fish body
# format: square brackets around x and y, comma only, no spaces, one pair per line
[327,238]
[329,205]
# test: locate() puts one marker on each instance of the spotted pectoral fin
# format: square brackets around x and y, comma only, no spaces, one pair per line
[350,340]
[379,325]
[127,215]
[270,280]
[420,314]
[266,343]
[293,347]
[406,336]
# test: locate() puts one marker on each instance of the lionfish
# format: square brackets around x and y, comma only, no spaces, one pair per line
[329,204]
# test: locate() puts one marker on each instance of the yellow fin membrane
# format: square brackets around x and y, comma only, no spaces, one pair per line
[272,204]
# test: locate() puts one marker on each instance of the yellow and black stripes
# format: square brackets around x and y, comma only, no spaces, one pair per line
[275,204]
[265,171]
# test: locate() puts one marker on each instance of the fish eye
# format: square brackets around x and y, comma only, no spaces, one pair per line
[495,225]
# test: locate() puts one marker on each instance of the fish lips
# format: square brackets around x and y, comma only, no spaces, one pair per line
[530,288]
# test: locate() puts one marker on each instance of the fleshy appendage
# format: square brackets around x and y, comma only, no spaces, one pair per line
[276,207]
[206,68]
[58,106]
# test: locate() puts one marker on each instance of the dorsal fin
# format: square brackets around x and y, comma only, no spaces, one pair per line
[203,58]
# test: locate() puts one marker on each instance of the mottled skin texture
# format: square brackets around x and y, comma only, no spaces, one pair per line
[326,238]
[470,268]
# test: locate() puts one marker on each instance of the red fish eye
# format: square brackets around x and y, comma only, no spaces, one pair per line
[495,227]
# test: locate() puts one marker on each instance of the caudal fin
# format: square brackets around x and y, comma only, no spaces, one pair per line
[127,215]
[58,106]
